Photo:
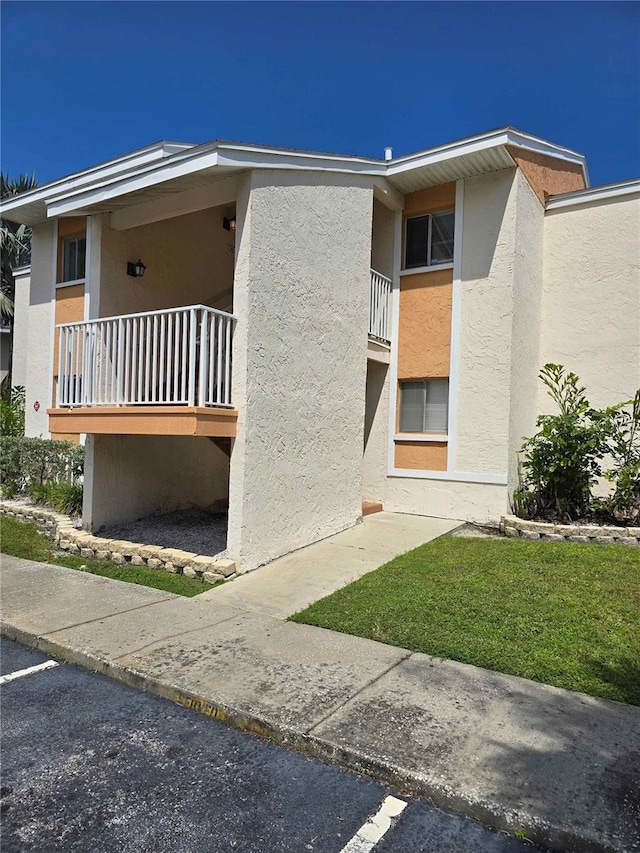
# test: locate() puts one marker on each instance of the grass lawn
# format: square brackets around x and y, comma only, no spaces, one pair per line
[560,613]
[21,539]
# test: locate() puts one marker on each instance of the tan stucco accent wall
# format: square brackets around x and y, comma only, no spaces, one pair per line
[548,175]
[422,455]
[74,226]
[424,331]
[430,200]
[69,309]
[424,335]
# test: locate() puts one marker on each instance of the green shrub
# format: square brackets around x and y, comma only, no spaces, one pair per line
[12,412]
[562,461]
[47,471]
[63,497]
[624,450]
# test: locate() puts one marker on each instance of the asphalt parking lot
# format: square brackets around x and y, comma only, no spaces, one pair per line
[90,764]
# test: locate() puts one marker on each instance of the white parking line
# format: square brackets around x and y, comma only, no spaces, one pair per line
[372,831]
[19,673]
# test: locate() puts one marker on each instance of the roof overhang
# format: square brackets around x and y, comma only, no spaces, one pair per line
[169,168]
[596,195]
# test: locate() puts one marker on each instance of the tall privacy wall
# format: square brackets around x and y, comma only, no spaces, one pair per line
[591,296]
[301,298]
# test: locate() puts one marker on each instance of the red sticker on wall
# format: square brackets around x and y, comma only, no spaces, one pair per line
[36,406]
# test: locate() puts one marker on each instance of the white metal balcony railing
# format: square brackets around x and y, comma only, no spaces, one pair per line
[380,307]
[180,356]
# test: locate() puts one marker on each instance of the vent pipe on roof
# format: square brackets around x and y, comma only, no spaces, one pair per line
[388,153]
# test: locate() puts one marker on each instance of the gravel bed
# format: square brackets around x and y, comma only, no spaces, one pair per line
[189,530]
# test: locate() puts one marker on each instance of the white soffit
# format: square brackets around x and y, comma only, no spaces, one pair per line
[454,169]
[32,205]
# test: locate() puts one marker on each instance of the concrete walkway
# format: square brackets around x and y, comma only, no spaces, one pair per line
[561,766]
[290,584]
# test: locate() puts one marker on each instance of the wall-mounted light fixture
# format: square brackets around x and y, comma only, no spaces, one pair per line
[229,224]
[136,270]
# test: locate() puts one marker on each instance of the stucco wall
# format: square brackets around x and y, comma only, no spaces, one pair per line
[488,260]
[376,431]
[141,474]
[525,331]
[39,380]
[382,239]
[21,329]
[591,297]
[301,286]
[187,260]
[479,502]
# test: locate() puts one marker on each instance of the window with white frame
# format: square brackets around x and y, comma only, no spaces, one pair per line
[424,406]
[74,250]
[429,239]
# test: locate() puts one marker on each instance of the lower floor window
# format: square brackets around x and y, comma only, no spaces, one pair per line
[424,406]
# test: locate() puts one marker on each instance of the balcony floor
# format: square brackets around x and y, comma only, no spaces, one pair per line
[144,420]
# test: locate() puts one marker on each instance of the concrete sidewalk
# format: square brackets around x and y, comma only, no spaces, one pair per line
[291,583]
[563,767]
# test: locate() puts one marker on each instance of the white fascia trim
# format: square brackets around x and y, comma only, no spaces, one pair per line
[207,157]
[20,271]
[504,136]
[418,270]
[618,190]
[450,476]
[420,436]
[86,176]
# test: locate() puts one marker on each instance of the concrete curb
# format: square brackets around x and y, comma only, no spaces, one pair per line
[491,814]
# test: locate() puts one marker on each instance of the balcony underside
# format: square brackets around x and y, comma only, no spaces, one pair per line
[144,420]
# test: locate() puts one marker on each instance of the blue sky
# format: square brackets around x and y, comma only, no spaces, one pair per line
[86,81]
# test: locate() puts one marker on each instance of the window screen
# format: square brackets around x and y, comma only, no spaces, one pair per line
[429,240]
[73,258]
[424,406]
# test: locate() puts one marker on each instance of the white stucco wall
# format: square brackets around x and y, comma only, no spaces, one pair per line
[525,331]
[591,297]
[382,234]
[39,331]
[375,460]
[301,290]
[488,259]
[130,476]
[187,260]
[480,502]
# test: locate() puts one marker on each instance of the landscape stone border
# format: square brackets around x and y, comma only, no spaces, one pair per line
[518,528]
[64,533]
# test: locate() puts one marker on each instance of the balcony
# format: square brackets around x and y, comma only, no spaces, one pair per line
[379,317]
[159,372]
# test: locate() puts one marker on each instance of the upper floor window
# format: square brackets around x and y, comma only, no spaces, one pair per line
[429,240]
[74,250]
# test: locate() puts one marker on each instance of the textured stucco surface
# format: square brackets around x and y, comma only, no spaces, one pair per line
[187,260]
[39,378]
[525,330]
[487,292]
[69,308]
[547,175]
[445,499]
[301,288]
[376,431]
[421,455]
[21,329]
[424,335]
[430,199]
[135,475]
[382,239]
[591,297]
